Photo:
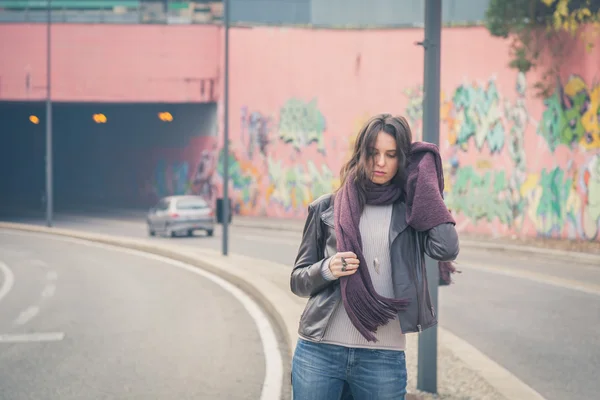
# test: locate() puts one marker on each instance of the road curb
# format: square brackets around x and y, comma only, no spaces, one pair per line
[272,295]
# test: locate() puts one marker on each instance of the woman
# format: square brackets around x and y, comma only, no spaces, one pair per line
[361,263]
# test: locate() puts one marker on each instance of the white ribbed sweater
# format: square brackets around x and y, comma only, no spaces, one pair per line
[374,230]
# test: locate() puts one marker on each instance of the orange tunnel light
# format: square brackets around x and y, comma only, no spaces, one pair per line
[99,118]
[165,116]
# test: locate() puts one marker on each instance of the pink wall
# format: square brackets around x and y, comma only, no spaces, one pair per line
[514,165]
[111,63]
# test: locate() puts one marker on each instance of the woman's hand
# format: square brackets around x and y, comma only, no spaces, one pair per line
[343,264]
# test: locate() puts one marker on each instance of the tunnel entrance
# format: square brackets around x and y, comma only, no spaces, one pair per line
[105,155]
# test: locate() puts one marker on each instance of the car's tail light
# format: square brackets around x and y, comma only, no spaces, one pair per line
[174,215]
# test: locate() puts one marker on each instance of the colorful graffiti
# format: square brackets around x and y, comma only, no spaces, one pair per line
[296,186]
[243,179]
[277,179]
[493,183]
[591,203]
[515,165]
[481,196]
[171,178]
[477,115]
[301,123]
[189,170]
[517,117]
[255,131]
[572,115]
[202,182]
[504,191]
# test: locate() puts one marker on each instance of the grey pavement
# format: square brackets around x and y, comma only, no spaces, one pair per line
[530,314]
[133,327]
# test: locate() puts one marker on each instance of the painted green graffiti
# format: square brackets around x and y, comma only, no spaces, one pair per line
[553,202]
[240,181]
[481,197]
[321,180]
[480,116]
[301,124]
[561,122]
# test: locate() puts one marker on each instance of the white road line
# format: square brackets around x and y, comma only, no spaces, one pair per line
[52,275]
[7,282]
[27,315]
[273,381]
[273,364]
[32,337]
[48,290]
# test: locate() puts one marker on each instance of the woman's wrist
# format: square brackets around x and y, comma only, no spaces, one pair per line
[326,272]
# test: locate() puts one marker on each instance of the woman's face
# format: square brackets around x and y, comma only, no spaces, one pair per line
[384,160]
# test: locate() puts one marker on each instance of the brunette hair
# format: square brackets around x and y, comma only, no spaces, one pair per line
[361,162]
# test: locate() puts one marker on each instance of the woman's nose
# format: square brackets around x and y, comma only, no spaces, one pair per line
[381,160]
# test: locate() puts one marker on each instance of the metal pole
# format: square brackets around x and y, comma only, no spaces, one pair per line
[49,194]
[226,210]
[427,364]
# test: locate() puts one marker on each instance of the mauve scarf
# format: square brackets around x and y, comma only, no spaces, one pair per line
[425,207]
[365,307]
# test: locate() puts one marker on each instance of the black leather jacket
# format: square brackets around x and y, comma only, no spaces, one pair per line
[408,267]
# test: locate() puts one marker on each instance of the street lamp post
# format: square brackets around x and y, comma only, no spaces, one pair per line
[427,364]
[226,210]
[49,194]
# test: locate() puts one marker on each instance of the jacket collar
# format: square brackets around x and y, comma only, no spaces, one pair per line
[397,225]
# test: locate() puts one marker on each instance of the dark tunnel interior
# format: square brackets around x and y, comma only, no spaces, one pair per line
[103,154]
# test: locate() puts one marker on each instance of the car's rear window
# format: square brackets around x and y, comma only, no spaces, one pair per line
[191,204]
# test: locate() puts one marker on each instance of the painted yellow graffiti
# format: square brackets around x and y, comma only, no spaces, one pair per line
[297,186]
[500,176]
[475,113]
[591,209]
[571,115]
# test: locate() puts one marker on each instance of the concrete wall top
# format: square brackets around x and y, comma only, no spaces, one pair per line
[111,63]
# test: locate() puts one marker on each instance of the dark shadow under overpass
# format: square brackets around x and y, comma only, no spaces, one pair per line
[105,155]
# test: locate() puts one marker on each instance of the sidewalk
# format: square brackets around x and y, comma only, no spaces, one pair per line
[463,372]
[589,250]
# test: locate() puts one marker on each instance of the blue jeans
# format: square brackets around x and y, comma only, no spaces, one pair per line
[326,372]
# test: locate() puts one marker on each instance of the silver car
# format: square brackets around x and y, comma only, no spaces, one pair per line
[175,215]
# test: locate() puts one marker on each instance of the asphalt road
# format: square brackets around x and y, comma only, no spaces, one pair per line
[80,321]
[536,316]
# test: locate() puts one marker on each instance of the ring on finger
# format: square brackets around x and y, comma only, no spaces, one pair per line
[344,264]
